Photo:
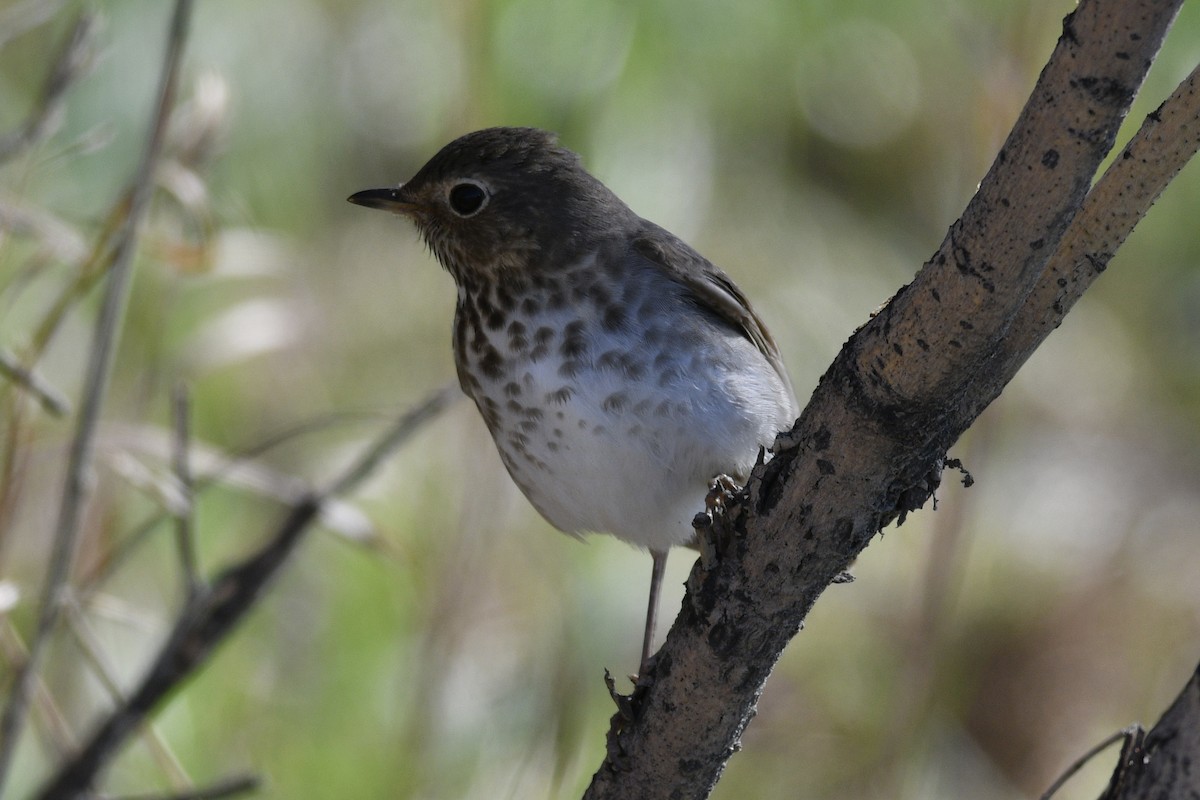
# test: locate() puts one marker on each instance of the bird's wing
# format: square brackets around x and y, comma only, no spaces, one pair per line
[712,289]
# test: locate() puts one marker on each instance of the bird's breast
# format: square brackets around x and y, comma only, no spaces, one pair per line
[612,408]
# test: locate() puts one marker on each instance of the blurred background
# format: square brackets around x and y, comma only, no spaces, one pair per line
[438,640]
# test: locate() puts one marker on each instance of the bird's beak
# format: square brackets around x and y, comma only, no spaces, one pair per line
[394,200]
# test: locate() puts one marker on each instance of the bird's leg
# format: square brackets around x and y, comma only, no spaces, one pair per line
[658,564]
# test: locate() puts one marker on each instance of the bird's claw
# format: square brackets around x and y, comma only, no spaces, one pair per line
[721,491]
[624,702]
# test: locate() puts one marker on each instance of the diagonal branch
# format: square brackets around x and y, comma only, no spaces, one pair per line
[50,398]
[870,445]
[230,787]
[73,61]
[1166,141]
[214,610]
[965,299]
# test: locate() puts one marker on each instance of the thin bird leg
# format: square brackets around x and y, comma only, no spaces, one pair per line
[659,563]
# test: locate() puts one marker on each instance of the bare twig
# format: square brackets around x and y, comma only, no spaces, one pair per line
[13,458]
[95,266]
[185,535]
[50,398]
[387,444]
[1125,734]
[226,788]
[240,470]
[99,369]
[1163,762]
[72,62]
[216,609]
[93,652]
[57,732]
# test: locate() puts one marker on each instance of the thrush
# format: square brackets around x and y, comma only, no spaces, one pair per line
[618,370]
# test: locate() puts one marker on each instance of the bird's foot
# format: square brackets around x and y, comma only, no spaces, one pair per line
[624,702]
[721,492]
[628,709]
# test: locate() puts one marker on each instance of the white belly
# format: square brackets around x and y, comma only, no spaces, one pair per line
[627,446]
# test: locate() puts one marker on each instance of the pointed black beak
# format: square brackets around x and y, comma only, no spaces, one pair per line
[393,200]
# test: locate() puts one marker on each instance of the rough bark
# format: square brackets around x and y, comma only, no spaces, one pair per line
[873,439]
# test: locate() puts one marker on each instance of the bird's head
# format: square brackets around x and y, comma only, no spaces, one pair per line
[502,201]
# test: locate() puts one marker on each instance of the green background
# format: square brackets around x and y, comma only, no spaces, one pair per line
[817,151]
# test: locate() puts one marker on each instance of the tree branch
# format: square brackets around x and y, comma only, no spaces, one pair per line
[214,610]
[870,445]
[229,787]
[1166,141]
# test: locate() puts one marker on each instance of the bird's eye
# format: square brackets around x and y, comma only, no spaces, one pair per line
[467,199]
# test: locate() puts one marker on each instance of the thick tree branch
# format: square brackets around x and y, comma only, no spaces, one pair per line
[870,444]
[1166,141]
[952,317]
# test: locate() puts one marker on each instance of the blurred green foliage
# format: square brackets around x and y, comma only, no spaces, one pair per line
[818,151]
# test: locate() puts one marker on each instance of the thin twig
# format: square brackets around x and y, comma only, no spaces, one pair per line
[209,477]
[185,536]
[50,398]
[383,447]
[73,61]
[99,369]
[93,651]
[14,456]
[94,267]
[226,788]
[1125,734]
[217,609]
[57,732]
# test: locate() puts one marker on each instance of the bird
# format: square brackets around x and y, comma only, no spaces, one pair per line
[618,371]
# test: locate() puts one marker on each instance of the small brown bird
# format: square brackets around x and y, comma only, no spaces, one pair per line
[617,369]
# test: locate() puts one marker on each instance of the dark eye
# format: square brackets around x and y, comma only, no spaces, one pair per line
[466,199]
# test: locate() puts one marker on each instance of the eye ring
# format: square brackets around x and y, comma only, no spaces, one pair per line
[467,198]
